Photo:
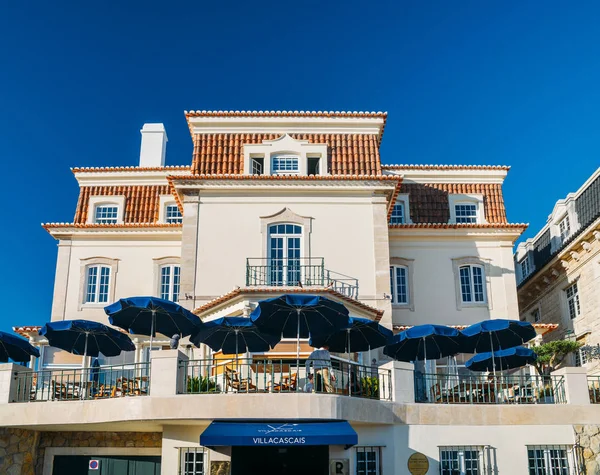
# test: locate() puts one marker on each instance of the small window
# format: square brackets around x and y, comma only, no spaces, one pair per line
[258,165]
[312,165]
[398,213]
[285,164]
[97,284]
[173,215]
[461,460]
[472,284]
[466,213]
[565,229]
[580,357]
[192,461]
[535,315]
[368,460]
[524,264]
[399,284]
[551,460]
[106,214]
[572,294]
[170,282]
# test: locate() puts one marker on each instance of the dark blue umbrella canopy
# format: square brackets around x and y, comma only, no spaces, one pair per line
[494,335]
[361,335]
[300,315]
[234,335]
[70,335]
[149,315]
[15,348]
[502,359]
[425,342]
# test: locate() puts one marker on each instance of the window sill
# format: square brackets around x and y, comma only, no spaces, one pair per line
[403,306]
[473,305]
[92,305]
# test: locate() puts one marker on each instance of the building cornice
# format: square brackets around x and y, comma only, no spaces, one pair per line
[499,231]
[65,230]
[424,174]
[127,176]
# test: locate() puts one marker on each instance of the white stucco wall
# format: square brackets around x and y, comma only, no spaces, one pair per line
[435,283]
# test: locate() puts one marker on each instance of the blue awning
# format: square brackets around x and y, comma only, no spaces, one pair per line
[278,434]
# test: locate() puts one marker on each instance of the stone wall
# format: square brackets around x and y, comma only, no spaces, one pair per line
[94,439]
[587,437]
[18,451]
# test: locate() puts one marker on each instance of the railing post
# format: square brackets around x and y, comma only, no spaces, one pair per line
[167,378]
[575,384]
[9,383]
[402,381]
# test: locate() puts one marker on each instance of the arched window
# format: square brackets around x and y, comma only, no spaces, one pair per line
[284,254]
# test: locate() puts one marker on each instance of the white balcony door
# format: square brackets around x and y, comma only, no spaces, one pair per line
[284,254]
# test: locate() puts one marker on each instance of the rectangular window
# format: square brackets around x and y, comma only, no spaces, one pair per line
[368,460]
[551,460]
[565,229]
[106,214]
[192,461]
[399,284]
[312,165]
[285,165]
[461,460]
[580,357]
[257,165]
[472,284]
[466,213]
[573,301]
[524,267]
[97,284]
[170,282]
[173,215]
[397,213]
[535,315]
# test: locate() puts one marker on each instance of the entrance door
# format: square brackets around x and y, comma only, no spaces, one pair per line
[311,459]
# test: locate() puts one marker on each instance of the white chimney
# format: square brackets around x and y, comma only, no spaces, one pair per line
[154,145]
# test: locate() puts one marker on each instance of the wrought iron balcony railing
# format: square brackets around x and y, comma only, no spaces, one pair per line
[300,272]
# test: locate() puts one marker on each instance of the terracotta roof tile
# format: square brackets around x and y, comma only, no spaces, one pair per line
[110,226]
[518,226]
[284,177]
[129,169]
[348,154]
[141,201]
[285,290]
[445,167]
[429,202]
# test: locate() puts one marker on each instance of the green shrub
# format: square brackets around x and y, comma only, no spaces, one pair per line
[200,384]
[370,387]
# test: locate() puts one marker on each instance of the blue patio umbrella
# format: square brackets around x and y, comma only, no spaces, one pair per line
[233,335]
[494,335]
[506,359]
[148,315]
[16,348]
[86,338]
[425,341]
[300,316]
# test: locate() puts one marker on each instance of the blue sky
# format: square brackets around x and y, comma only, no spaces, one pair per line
[471,82]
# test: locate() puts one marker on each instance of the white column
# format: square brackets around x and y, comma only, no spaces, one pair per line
[166,378]
[402,381]
[9,383]
[576,384]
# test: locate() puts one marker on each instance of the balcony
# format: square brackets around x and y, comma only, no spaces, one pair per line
[301,272]
[267,375]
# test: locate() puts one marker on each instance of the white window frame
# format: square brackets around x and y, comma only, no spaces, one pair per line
[358,464]
[467,199]
[407,264]
[98,201]
[287,216]
[256,166]
[394,284]
[564,229]
[461,460]
[402,199]
[457,264]
[287,157]
[183,469]
[545,464]
[87,263]
[173,219]
[524,267]
[100,272]
[536,315]
[171,285]
[573,298]
[159,263]
[163,202]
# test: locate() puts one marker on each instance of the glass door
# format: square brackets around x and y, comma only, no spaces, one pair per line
[284,254]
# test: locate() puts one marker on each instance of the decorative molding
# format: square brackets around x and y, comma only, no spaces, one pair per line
[596,235]
[555,273]
[546,280]
[286,215]
[476,199]
[91,261]
[564,263]
[575,255]
[586,246]
[98,200]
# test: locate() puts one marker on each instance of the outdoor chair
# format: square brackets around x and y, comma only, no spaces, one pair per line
[236,383]
[286,384]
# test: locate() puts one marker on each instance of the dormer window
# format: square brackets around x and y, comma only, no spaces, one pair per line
[466,209]
[565,229]
[284,165]
[106,214]
[398,213]
[466,213]
[258,165]
[524,267]
[173,215]
[313,165]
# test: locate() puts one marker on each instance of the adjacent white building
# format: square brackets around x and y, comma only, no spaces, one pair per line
[401,244]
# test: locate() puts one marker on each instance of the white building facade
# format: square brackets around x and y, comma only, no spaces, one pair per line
[400,244]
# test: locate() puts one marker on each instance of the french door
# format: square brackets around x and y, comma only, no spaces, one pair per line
[285,254]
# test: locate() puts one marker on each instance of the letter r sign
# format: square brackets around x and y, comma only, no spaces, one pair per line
[339,467]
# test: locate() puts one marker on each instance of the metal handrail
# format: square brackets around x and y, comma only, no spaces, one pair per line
[267,375]
[476,389]
[594,389]
[83,383]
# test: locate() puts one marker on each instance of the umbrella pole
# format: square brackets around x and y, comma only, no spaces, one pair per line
[83,373]
[349,377]
[152,332]
[237,361]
